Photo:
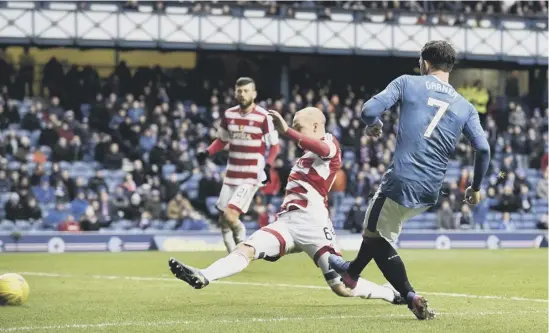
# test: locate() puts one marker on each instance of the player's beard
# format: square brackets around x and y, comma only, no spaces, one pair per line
[245,104]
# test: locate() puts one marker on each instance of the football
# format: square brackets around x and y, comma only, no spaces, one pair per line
[14,289]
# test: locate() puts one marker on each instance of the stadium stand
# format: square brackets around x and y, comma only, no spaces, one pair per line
[117,152]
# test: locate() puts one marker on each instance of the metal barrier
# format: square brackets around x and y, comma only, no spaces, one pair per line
[186,31]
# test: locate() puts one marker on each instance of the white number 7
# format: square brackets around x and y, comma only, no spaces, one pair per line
[442,107]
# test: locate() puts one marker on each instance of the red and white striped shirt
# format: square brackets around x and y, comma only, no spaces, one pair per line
[248,136]
[312,177]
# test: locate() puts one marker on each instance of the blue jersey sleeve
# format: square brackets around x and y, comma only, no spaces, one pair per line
[475,134]
[375,106]
[393,93]
[472,127]
[371,110]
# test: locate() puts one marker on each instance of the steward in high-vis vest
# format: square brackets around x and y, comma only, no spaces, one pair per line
[479,97]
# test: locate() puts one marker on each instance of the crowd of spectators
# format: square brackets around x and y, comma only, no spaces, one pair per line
[133,125]
[518,8]
[447,13]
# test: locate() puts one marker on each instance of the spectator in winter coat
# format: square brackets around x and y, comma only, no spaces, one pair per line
[31,210]
[48,136]
[14,208]
[89,221]
[70,184]
[120,202]
[134,210]
[518,117]
[5,184]
[445,216]
[105,210]
[97,182]
[175,207]
[113,159]
[154,205]
[62,152]
[355,218]
[138,173]
[508,201]
[465,217]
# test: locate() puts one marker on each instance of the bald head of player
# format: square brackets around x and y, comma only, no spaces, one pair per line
[311,122]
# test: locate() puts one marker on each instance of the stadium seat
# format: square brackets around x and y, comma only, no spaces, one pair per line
[6,225]
[211,205]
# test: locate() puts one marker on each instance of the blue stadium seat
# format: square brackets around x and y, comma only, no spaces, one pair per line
[14,165]
[251,225]
[529,225]
[210,204]
[6,225]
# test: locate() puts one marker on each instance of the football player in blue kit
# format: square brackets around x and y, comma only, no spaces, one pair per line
[432,118]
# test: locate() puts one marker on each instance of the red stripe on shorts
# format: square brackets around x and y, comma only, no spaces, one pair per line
[233,207]
[323,250]
[279,237]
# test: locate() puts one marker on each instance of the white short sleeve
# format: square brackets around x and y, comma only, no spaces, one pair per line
[271,135]
[222,134]
[329,139]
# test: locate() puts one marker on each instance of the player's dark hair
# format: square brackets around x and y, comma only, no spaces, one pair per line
[244,81]
[440,54]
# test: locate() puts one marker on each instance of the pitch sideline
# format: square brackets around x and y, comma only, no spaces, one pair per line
[258,284]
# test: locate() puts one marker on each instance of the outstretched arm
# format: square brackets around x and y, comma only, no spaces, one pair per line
[482,160]
[475,134]
[374,107]
[273,153]
[371,110]
[216,146]
[319,147]
[221,141]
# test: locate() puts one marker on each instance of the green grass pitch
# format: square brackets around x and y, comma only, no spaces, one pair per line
[472,291]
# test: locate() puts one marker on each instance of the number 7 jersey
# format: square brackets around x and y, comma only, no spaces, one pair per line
[311,178]
[433,115]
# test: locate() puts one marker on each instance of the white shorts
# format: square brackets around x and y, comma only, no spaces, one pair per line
[237,197]
[298,231]
[384,218]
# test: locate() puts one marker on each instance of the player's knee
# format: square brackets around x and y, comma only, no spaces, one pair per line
[341,290]
[230,216]
[247,250]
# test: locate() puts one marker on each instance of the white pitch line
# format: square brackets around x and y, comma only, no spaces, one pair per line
[280,285]
[249,320]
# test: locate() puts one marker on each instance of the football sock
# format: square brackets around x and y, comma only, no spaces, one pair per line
[239,232]
[392,267]
[367,289]
[364,256]
[228,239]
[234,263]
